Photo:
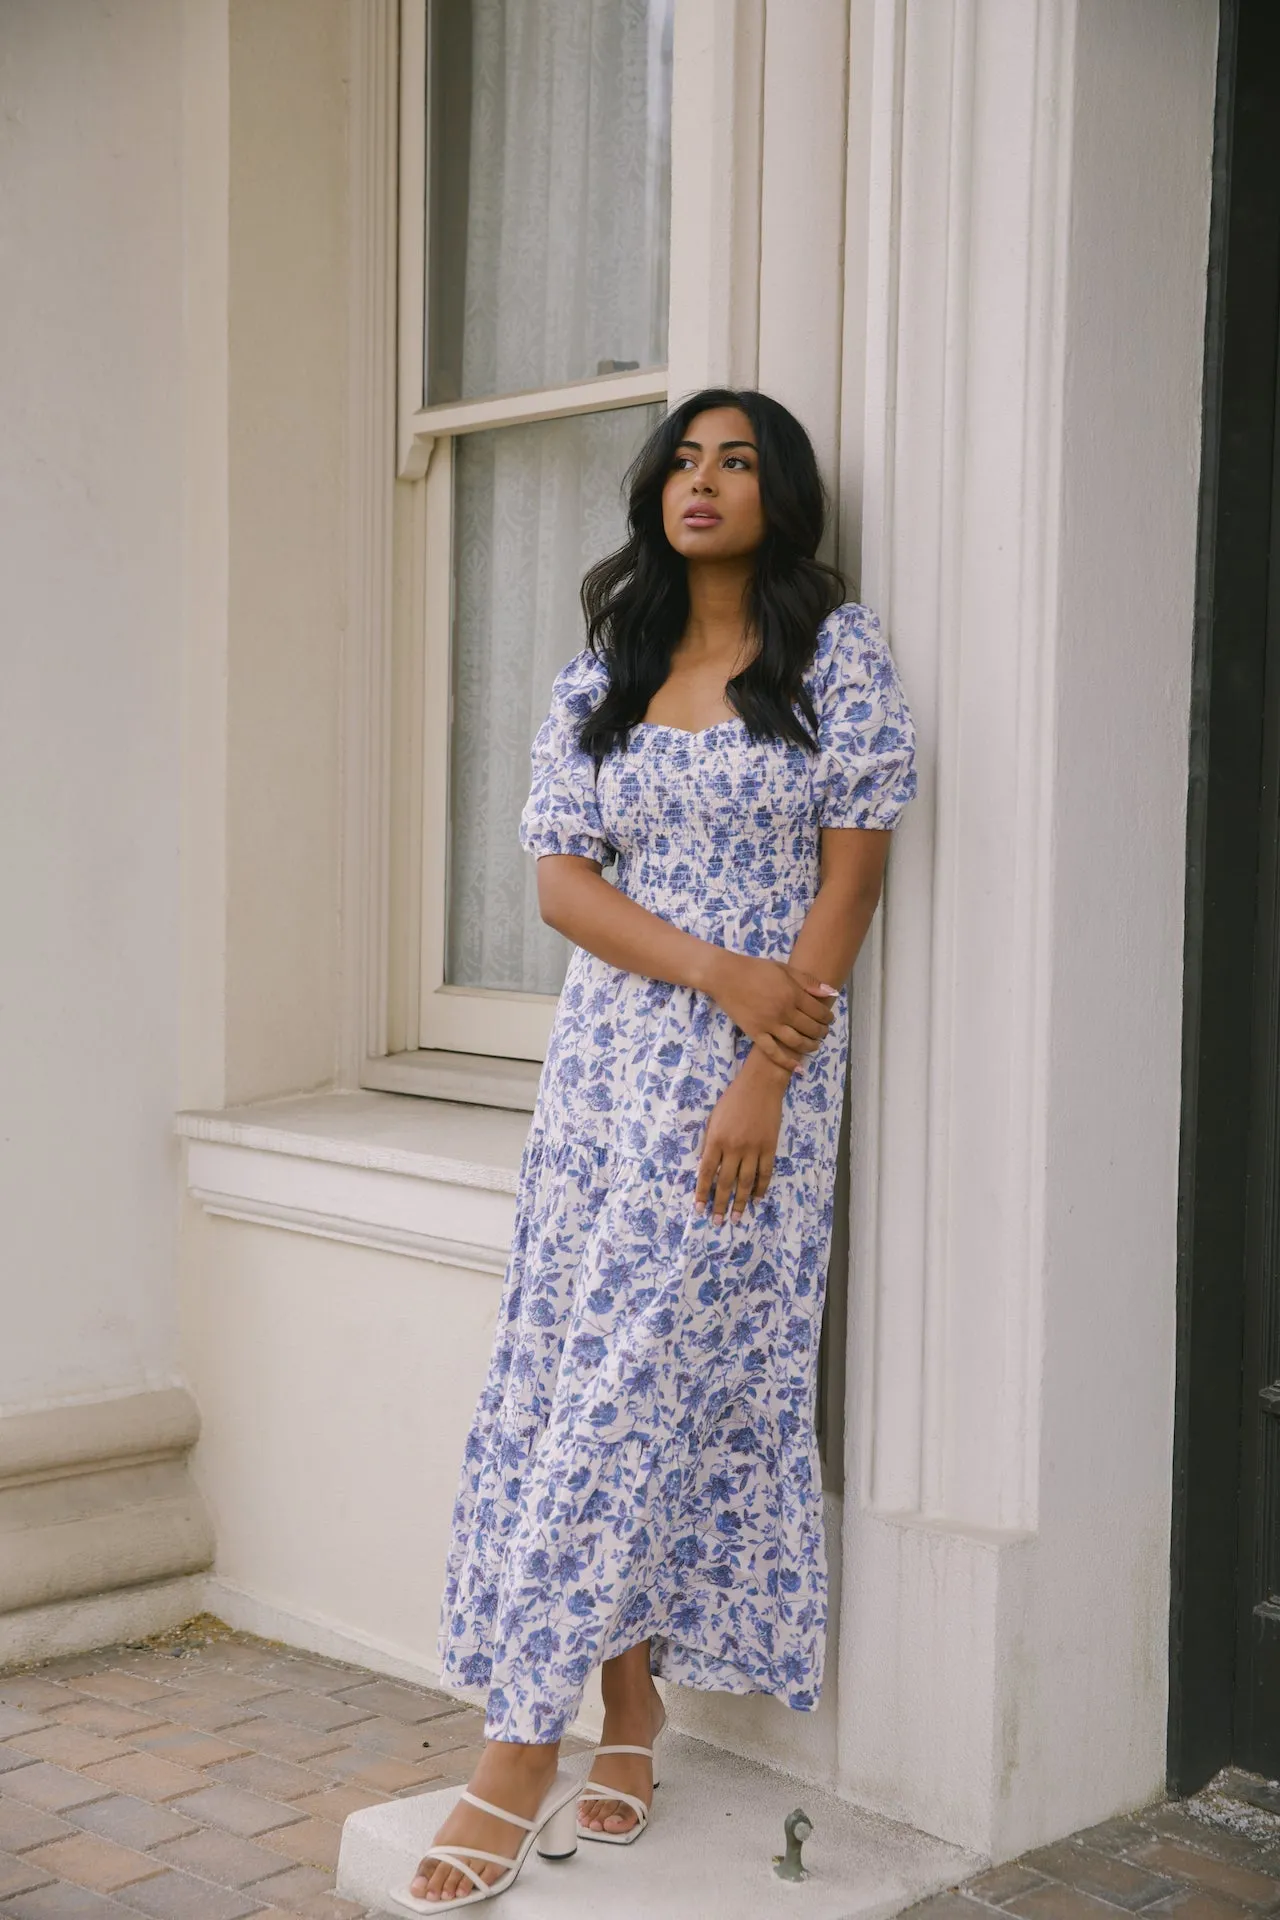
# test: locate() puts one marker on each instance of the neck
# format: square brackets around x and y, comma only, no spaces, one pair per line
[718,592]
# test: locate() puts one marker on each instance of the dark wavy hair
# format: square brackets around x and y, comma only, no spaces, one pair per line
[636,601]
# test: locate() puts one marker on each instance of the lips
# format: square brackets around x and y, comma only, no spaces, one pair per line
[701,517]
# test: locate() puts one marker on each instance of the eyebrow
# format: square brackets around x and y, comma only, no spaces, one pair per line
[697,444]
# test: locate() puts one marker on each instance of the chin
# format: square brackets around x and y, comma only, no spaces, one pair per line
[705,546]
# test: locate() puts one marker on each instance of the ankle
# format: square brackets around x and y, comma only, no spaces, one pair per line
[522,1758]
[632,1701]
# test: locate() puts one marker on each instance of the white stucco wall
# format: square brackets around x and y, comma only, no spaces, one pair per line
[90,524]
[172,529]
[336,1384]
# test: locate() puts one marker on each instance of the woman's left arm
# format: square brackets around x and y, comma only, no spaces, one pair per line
[864,776]
[742,1134]
[850,879]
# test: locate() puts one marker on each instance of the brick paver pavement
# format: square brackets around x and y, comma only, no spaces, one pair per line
[1213,1857]
[205,1775]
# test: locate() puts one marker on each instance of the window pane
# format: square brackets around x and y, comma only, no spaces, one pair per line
[549,138]
[533,508]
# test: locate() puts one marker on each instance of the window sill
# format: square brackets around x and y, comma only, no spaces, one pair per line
[435,1179]
[479,1079]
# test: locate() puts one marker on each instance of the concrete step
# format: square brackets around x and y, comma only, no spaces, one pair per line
[716,1823]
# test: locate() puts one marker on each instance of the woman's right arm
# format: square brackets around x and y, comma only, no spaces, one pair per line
[784,1009]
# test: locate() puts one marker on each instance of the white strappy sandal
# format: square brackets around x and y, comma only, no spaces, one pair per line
[596,1790]
[552,1828]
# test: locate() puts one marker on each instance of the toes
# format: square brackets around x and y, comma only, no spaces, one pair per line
[428,1879]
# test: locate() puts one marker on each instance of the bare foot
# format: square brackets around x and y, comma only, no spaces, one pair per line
[633,1717]
[509,1774]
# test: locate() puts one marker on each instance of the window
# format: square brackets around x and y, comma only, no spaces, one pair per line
[535,192]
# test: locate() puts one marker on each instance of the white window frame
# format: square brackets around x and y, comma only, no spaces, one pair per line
[425,1035]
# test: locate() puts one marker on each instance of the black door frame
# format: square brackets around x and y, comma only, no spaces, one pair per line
[1223,847]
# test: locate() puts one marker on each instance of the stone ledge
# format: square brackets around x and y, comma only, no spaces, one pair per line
[96,1497]
[434,1179]
[717,1822]
[100,1433]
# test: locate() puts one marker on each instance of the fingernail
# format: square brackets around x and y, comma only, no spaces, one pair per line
[826,988]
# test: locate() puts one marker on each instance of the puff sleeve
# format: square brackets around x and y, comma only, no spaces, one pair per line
[562,813]
[865,771]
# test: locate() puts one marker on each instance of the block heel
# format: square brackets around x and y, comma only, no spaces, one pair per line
[558,1840]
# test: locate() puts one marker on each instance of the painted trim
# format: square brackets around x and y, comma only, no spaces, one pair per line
[440,1074]
[412,192]
[596,394]
[367,662]
[432,1179]
[716,149]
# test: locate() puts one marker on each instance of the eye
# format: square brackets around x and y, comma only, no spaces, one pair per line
[741,460]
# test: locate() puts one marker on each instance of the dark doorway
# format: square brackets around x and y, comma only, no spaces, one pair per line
[1225,1642]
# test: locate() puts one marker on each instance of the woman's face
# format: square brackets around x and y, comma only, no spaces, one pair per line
[711,498]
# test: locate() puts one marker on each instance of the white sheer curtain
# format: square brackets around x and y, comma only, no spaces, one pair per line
[534,506]
[566,275]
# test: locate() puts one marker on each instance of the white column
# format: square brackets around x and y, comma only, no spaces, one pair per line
[1035,232]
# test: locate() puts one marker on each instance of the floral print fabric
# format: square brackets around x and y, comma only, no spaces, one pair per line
[642,1460]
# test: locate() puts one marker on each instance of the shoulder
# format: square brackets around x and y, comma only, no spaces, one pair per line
[580,684]
[850,646]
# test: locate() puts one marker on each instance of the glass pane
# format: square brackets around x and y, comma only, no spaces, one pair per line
[533,508]
[549,173]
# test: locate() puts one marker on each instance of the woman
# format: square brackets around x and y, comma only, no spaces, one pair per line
[641,1487]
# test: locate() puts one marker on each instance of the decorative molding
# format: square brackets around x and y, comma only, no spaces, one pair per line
[430,1178]
[96,1496]
[370,483]
[966,230]
[383,1235]
[88,1434]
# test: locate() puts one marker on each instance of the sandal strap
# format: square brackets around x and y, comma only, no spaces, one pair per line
[594,1790]
[487,1806]
[647,1751]
[452,1858]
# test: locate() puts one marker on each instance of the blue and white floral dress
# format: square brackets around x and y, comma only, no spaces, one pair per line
[642,1461]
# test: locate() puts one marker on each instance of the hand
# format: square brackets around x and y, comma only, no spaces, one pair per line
[784,1010]
[741,1139]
